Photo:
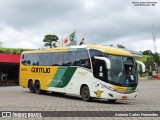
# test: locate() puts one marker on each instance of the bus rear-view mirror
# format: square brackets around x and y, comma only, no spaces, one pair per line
[142,64]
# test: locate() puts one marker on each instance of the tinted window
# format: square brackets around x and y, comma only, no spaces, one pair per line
[24,59]
[29,59]
[100,70]
[58,58]
[36,59]
[82,59]
[94,52]
[48,59]
[69,58]
[42,60]
[128,61]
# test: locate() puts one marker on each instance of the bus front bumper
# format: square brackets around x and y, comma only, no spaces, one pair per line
[121,96]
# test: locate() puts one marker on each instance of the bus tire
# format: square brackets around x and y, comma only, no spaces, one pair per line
[112,101]
[31,86]
[85,93]
[37,87]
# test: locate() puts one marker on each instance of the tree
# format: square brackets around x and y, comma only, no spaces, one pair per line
[150,62]
[50,40]
[121,46]
[111,45]
[147,52]
[156,58]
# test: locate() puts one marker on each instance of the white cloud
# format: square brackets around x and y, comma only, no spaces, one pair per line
[90,4]
[19,39]
[103,22]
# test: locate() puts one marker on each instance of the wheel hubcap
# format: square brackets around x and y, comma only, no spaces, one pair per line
[37,87]
[85,94]
[31,86]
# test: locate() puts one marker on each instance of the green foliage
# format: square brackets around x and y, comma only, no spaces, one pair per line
[150,60]
[12,50]
[157,58]
[50,40]
[144,58]
[121,46]
[147,52]
[111,45]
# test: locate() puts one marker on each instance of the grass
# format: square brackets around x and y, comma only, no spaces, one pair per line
[144,58]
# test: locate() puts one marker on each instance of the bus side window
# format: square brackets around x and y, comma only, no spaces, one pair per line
[58,58]
[49,58]
[69,58]
[94,52]
[52,59]
[82,59]
[29,59]
[41,59]
[45,59]
[23,59]
[36,59]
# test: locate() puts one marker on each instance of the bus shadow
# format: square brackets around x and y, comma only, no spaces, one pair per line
[73,97]
[59,95]
[102,101]
[63,95]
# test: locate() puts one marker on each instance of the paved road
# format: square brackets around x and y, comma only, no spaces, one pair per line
[19,99]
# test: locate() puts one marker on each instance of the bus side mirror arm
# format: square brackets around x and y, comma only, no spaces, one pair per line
[107,61]
[142,64]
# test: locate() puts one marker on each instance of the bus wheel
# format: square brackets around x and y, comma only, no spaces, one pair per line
[37,87]
[31,87]
[111,101]
[85,94]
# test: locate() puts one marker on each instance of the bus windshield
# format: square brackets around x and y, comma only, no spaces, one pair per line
[123,71]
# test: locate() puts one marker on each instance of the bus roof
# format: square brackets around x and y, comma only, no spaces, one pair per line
[105,49]
[110,50]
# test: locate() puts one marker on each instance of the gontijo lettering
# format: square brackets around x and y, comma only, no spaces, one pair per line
[40,70]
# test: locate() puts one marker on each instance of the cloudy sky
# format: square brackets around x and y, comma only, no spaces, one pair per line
[23,23]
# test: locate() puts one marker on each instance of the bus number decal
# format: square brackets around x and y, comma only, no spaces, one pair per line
[24,69]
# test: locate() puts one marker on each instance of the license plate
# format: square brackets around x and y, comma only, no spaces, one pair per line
[124,97]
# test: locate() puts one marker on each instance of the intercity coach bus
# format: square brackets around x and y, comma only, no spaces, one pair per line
[91,71]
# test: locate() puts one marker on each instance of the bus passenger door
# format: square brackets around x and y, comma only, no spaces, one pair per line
[99,72]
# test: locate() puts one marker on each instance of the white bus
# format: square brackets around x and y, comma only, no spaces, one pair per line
[91,71]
